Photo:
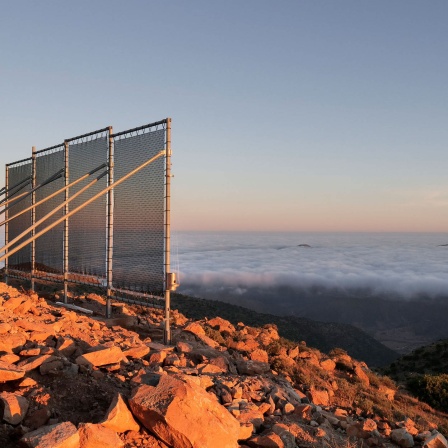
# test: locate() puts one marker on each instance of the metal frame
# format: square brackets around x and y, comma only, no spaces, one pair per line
[66,276]
[66,211]
[33,216]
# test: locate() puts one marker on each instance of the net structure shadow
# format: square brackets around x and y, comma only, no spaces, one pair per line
[94,210]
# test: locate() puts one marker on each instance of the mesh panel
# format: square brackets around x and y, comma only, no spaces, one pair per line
[49,247]
[138,254]
[21,259]
[87,228]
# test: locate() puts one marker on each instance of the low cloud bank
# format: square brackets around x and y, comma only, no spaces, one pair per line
[405,266]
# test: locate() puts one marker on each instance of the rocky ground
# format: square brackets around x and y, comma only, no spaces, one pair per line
[72,380]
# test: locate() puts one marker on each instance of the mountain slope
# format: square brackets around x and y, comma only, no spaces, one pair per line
[323,335]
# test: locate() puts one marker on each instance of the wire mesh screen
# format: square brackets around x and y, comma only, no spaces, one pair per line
[19,181]
[49,247]
[138,253]
[87,228]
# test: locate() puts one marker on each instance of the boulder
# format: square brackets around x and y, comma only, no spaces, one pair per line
[402,438]
[259,355]
[252,367]
[61,435]
[221,325]
[195,328]
[10,372]
[38,418]
[101,357]
[14,407]
[138,351]
[98,436]
[328,364]
[118,417]
[362,376]
[35,362]
[179,413]
[12,342]
[436,440]
[318,396]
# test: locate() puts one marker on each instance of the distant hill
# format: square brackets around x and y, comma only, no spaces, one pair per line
[425,373]
[323,335]
[427,360]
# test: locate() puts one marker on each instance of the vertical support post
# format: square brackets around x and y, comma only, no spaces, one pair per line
[33,216]
[6,224]
[110,224]
[66,210]
[167,330]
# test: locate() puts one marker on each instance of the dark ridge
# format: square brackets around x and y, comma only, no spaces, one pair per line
[322,335]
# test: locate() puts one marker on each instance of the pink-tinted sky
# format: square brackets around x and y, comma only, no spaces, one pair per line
[291,115]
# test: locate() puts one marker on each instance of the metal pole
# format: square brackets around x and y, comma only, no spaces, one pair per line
[80,207]
[15,198]
[33,216]
[167,330]
[6,225]
[66,211]
[110,224]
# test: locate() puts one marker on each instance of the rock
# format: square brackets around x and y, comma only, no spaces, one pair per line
[293,353]
[259,355]
[98,436]
[287,438]
[14,302]
[251,414]
[35,362]
[53,367]
[328,364]
[138,351]
[12,342]
[10,372]
[66,346]
[14,407]
[61,435]
[101,357]
[184,347]
[436,440]
[402,438]
[387,392]
[4,327]
[221,325]
[38,418]
[361,430]
[195,328]
[179,412]
[304,411]
[318,396]
[252,367]
[118,417]
[272,440]
[361,375]
[9,358]
[27,382]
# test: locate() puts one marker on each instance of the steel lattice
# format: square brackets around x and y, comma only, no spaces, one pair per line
[87,228]
[49,247]
[138,254]
[16,174]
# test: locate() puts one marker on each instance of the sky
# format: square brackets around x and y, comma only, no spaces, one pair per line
[287,115]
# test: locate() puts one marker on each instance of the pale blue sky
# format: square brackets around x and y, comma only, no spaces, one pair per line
[287,115]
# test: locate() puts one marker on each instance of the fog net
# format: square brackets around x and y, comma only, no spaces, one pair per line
[49,247]
[138,253]
[19,181]
[87,228]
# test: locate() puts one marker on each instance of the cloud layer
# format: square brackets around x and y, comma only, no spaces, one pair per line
[404,265]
